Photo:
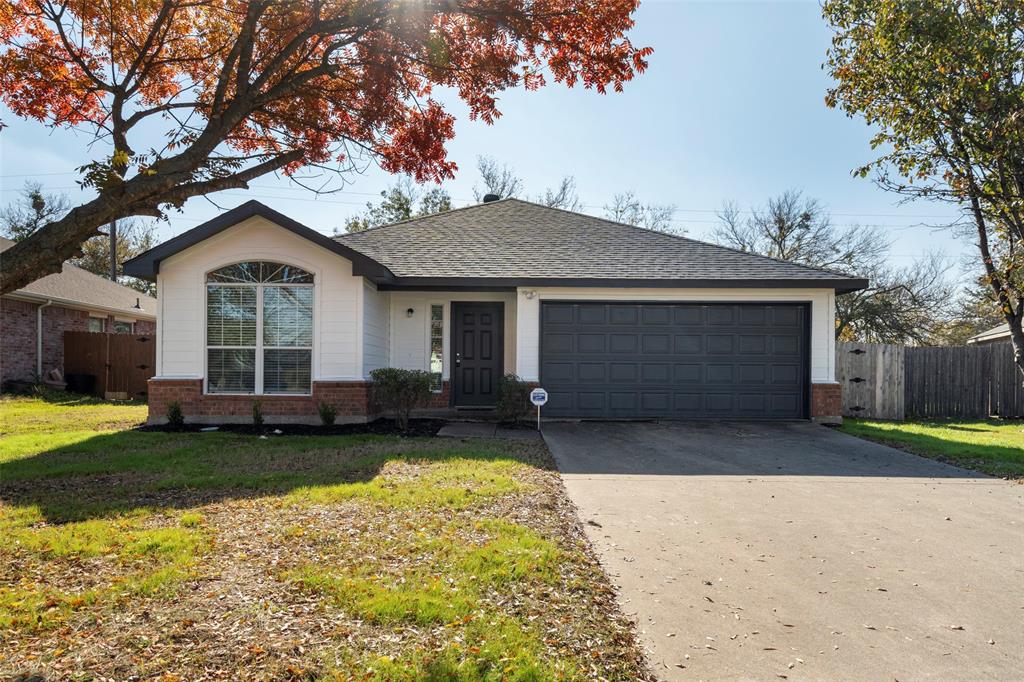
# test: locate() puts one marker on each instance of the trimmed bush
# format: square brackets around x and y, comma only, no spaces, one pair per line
[400,391]
[513,399]
[175,416]
[328,413]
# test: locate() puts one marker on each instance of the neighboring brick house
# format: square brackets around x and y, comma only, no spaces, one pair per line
[33,320]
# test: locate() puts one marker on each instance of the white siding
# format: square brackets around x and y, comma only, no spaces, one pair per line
[376,326]
[337,325]
[410,336]
[822,302]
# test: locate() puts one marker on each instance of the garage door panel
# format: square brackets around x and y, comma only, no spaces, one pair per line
[688,343]
[617,360]
[591,343]
[620,314]
[720,344]
[591,372]
[557,313]
[623,372]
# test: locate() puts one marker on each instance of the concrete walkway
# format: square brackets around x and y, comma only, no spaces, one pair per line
[791,551]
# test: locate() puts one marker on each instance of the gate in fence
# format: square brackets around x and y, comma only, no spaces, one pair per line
[882,381]
[121,363]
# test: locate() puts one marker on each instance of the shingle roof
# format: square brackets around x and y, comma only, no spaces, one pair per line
[77,286]
[515,239]
[998,332]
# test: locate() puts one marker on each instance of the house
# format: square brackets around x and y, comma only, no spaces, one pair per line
[615,321]
[33,319]
[997,334]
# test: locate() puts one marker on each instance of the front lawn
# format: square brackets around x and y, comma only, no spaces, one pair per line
[994,447]
[179,556]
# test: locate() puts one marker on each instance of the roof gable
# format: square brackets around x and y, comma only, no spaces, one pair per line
[147,265]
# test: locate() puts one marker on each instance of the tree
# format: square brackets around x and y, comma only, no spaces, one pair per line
[941,83]
[133,237]
[502,181]
[626,208]
[899,305]
[498,179]
[34,208]
[402,201]
[244,88]
[31,210]
[974,311]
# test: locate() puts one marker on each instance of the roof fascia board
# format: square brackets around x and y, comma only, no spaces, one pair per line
[29,297]
[502,284]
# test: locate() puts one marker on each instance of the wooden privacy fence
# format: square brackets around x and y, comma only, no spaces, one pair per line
[895,382]
[121,363]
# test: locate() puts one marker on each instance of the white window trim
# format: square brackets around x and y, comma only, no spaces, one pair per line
[259,347]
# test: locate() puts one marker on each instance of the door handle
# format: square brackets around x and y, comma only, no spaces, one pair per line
[458,359]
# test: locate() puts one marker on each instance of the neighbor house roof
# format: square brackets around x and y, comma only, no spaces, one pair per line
[510,242]
[1001,331]
[80,288]
[520,242]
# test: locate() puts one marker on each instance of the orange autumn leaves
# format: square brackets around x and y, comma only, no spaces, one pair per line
[315,77]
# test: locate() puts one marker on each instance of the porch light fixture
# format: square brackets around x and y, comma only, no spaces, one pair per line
[410,312]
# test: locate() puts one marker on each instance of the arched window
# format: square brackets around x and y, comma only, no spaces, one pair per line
[259,329]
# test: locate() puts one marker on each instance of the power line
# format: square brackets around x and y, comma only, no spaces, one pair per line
[845,214]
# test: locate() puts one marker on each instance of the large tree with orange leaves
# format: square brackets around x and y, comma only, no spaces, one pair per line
[243,88]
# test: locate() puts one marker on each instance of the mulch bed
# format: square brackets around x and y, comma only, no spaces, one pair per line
[378,427]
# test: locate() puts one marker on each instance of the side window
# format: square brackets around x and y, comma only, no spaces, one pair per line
[121,327]
[436,346]
[96,324]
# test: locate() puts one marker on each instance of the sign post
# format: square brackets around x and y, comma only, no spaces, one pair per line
[538,397]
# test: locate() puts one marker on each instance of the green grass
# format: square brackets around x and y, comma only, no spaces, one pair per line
[445,572]
[991,446]
[408,535]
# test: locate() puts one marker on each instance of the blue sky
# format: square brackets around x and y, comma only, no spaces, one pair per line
[732,108]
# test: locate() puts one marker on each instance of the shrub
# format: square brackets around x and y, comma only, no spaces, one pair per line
[513,399]
[328,413]
[175,417]
[400,391]
[257,414]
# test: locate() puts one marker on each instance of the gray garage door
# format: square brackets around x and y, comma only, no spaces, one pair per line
[674,361]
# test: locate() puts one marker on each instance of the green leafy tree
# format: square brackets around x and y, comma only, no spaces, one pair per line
[900,305]
[941,83]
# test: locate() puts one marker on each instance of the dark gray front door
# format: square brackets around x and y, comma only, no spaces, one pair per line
[674,361]
[477,350]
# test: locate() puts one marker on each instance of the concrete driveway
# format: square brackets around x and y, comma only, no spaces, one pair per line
[791,551]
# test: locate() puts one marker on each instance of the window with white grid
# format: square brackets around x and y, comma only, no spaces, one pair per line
[259,329]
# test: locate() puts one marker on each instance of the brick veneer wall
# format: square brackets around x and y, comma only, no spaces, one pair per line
[827,403]
[351,398]
[18,336]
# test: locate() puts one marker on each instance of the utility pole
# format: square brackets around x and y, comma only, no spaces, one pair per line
[113,250]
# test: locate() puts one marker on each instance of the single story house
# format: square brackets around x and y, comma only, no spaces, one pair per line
[33,319]
[615,321]
[997,334]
